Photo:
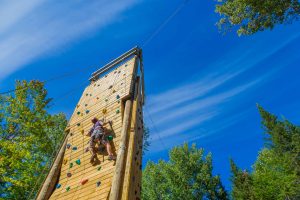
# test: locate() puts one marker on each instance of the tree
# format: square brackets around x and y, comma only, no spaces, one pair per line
[276,172]
[29,138]
[188,175]
[242,183]
[251,16]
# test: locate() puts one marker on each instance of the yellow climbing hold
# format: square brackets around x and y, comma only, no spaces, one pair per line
[82,132]
[65,161]
[104,111]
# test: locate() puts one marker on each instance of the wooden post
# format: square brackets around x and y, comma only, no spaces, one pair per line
[49,184]
[131,146]
[119,170]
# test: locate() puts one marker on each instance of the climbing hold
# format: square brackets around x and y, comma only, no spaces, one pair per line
[78,113]
[74,148]
[78,124]
[110,87]
[119,101]
[97,98]
[110,138]
[71,165]
[98,183]
[82,132]
[68,146]
[68,188]
[78,106]
[90,94]
[85,105]
[81,114]
[118,96]
[117,111]
[86,94]
[69,174]
[84,181]
[114,91]
[87,111]
[99,168]
[58,186]
[98,85]
[65,161]
[126,65]
[106,99]
[104,111]
[78,162]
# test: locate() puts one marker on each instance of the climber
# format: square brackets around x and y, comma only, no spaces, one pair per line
[99,136]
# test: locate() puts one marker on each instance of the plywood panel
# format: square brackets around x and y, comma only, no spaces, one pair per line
[108,92]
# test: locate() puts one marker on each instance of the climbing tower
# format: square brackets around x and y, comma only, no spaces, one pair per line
[115,93]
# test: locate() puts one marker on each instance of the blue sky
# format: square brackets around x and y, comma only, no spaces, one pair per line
[202,87]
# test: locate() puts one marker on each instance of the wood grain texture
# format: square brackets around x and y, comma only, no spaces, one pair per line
[108,92]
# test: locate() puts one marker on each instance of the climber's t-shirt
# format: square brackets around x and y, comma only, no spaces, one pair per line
[98,127]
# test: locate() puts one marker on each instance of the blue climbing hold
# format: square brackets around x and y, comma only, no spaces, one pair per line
[87,111]
[78,162]
[118,96]
[58,186]
[74,148]
[68,146]
[98,183]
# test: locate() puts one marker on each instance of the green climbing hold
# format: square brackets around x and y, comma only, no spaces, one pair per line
[78,113]
[71,165]
[78,162]
[99,168]
[78,124]
[86,94]
[68,188]
[118,111]
[110,138]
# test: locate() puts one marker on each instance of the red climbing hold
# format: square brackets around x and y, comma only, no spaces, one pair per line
[84,181]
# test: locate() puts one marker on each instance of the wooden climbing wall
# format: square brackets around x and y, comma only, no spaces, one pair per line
[103,99]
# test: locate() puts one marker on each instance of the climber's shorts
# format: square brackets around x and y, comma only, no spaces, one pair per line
[98,136]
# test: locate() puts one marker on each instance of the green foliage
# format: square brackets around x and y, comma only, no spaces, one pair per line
[29,136]
[242,183]
[188,175]
[251,16]
[276,172]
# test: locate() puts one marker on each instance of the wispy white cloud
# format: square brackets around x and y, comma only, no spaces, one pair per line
[32,29]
